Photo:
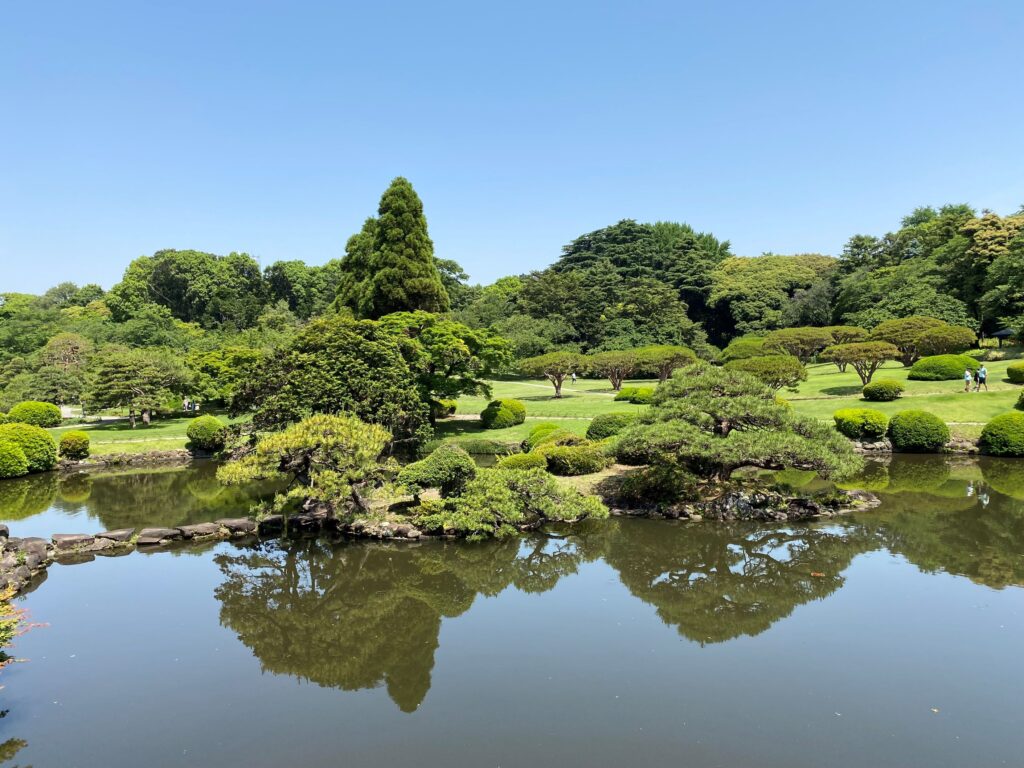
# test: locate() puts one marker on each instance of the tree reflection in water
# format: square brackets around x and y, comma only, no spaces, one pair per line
[361,615]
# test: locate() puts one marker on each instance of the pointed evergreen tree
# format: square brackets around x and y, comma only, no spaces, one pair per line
[403,275]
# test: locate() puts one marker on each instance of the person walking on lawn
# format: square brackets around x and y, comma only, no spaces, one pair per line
[968,379]
[982,379]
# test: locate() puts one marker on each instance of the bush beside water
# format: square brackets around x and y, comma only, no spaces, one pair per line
[207,433]
[39,448]
[74,445]
[918,432]
[861,423]
[1004,436]
[12,460]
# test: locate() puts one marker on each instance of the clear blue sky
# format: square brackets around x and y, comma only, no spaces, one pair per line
[273,127]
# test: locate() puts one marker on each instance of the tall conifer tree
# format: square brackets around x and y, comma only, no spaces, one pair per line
[403,274]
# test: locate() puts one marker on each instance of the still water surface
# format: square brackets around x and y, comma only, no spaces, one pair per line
[892,638]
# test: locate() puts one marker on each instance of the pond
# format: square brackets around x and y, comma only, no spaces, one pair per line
[891,638]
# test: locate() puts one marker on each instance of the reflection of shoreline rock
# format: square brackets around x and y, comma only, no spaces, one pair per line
[766,506]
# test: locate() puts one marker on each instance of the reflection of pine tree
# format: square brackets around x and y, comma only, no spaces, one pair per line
[717,583]
[362,615]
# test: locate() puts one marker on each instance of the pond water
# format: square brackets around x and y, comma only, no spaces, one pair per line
[891,638]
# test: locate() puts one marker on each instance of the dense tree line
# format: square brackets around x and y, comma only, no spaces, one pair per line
[204,325]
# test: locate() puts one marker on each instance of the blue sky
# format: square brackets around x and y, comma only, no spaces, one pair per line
[273,128]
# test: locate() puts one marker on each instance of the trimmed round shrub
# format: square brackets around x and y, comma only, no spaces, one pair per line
[36,413]
[207,433]
[883,390]
[942,367]
[1015,372]
[74,445]
[861,423]
[743,347]
[608,424]
[1020,402]
[946,339]
[39,448]
[657,485]
[1004,436]
[448,469]
[502,414]
[570,460]
[537,434]
[625,394]
[642,396]
[519,461]
[12,460]
[917,432]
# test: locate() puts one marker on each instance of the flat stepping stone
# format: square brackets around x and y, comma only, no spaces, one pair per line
[121,534]
[151,536]
[199,529]
[238,524]
[68,541]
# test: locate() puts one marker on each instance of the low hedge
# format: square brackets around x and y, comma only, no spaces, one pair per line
[861,423]
[571,460]
[520,461]
[207,433]
[1015,372]
[12,459]
[74,445]
[1004,436]
[502,414]
[36,413]
[608,424]
[39,448]
[942,367]
[917,432]
[624,394]
[883,390]
[643,396]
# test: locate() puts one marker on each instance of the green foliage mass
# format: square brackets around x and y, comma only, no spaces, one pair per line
[883,390]
[325,458]
[555,437]
[866,357]
[334,365]
[802,343]
[556,367]
[607,424]
[141,380]
[709,421]
[448,468]
[946,340]
[502,414]
[39,448]
[1004,435]
[942,368]
[861,423]
[775,371]
[905,334]
[743,347]
[538,433]
[572,460]
[499,502]
[917,432]
[74,444]
[521,461]
[13,462]
[35,413]
[207,433]
[1015,372]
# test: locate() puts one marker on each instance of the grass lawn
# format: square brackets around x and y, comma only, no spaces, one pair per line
[582,400]
[108,437]
[827,390]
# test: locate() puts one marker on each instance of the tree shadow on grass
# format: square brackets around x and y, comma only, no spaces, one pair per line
[842,391]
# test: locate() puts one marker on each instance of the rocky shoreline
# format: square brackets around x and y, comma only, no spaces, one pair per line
[23,560]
